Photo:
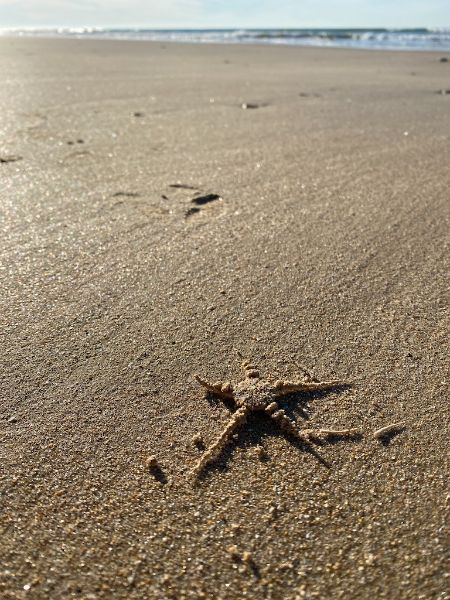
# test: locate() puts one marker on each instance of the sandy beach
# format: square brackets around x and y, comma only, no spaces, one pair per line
[320,250]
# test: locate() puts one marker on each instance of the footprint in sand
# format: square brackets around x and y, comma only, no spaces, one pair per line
[78,154]
[198,201]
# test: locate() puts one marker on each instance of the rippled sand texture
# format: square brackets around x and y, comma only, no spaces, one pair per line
[170,210]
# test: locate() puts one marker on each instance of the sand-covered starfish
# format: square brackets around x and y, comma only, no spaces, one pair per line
[256,394]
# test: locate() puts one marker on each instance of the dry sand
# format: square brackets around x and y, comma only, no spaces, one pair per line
[328,248]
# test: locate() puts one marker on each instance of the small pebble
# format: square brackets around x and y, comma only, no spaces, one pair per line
[260,452]
[151,462]
[233,551]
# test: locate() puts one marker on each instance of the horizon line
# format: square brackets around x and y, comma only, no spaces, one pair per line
[229,28]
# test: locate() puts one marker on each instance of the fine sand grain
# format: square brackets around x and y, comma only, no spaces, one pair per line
[322,245]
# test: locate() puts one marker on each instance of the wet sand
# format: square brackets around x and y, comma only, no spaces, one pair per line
[155,225]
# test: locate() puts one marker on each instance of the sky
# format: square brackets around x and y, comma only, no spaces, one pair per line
[224,13]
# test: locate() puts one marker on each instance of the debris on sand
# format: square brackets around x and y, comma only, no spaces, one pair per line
[386,433]
[197,440]
[249,105]
[126,194]
[151,462]
[182,186]
[201,200]
[191,211]
[10,158]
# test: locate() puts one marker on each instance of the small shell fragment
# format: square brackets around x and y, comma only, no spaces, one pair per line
[388,431]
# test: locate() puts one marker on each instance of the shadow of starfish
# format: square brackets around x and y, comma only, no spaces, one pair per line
[255,394]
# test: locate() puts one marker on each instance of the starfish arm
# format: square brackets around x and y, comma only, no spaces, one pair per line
[250,370]
[288,387]
[287,425]
[224,390]
[238,418]
[321,435]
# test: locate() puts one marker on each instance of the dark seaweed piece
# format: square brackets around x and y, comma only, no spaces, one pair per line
[201,200]
[191,211]
[248,105]
[9,159]
[138,114]
[182,186]
[126,194]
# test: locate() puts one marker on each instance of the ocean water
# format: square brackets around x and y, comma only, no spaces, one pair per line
[389,39]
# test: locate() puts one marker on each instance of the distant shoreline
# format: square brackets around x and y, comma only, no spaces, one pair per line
[422,39]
